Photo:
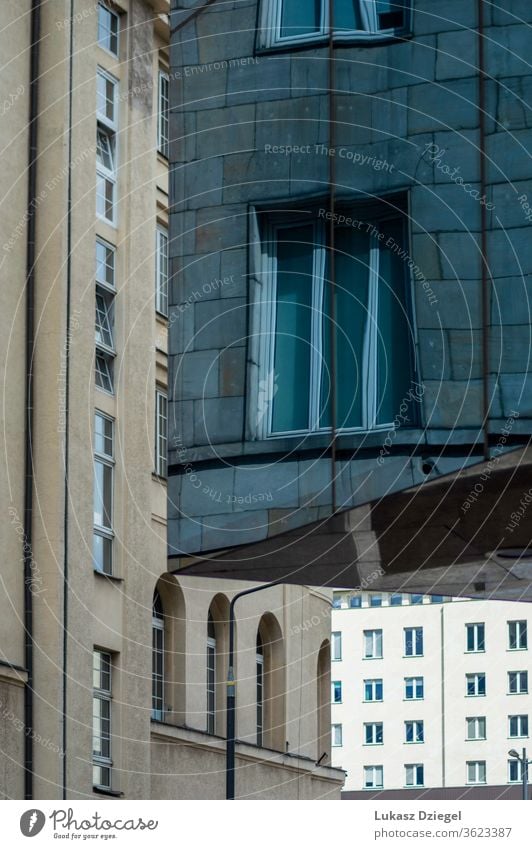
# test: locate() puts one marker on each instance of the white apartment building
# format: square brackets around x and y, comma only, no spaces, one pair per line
[429,693]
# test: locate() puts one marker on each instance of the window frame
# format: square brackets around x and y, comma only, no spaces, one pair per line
[105,176]
[476,676]
[103,695]
[103,7]
[376,635]
[415,679]
[518,623]
[270,225]
[373,683]
[336,690]
[519,719]
[376,770]
[161,270]
[417,726]
[479,722]
[158,650]
[413,643]
[269,33]
[372,732]
[520,691]
[415,775]
[336,643]
[335,735]
[161,433]
[163,118]
[478,767]
[473,629]
[514,762]
[107,461]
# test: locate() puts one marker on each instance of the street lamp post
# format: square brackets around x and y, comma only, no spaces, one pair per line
[523,760]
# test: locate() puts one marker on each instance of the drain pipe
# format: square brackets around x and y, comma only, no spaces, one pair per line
[231,691]
[35,27]
[485,272]
[332,255]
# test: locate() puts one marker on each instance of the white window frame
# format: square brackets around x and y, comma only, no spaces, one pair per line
[102,7]
[373,684]
[475,677]
[475,727]
[518,720]
[157,623]
[371,733]
[101,280]
[161,270]
[105,460]
[412,773]
[418,731]
[476,772]
[103,695]
[105,176]
[412,642]
[521,630]
[415,679]
[336,645]
[519,689]
[373,777]
[514,763]
[261,420]
[271,16]
[478,632]
[336,685]
[102,118]
[336,735]
[376,636]
[163,114]
[161,433]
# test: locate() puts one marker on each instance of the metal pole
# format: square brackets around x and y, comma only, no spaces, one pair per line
[525,775]
[231,692]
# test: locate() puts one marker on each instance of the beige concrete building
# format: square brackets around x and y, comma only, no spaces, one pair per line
[112,671]
[429,694]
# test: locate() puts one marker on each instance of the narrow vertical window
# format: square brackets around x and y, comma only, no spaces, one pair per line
[157,692]
[211,675]
[336,734]
[259,660]
[161,432]
[106,135]
[517,635]
[104,316]
[103,493]
[161,271]
[163,122]
[336,645]
[101,719]
[107,29]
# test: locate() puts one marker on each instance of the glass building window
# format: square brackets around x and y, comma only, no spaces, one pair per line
[373,733]
[414,775]
[103,493]
[476,772]
[396,600]
[518,726]
[515,770]
[373,777]
[336,692]
[336,645]
[413,642]
[108,29]
[517,682]
[414,688]
[375,601]
[476,684]
[355,601]
[163,112]
[161,433]
[157,692]
[161,271]
[292,22]
[416,598]
[372,327]
[476,728]
[373,690]
[260,689]
[211,675]
[101,719]
[414,731]
[517,635]
[475,637]
[373,643]
[336,734]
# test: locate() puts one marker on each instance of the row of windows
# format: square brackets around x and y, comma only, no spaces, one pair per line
[475,771]
[378,600]
[414,687]
[413,640]
[414,729]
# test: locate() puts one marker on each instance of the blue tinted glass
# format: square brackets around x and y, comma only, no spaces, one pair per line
[347,15]
[293,329]
[416,599]
[396,600]
[355,601]
[378,690]
[300,17]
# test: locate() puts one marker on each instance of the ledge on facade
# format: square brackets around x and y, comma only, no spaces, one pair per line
[166,732]
[12,673]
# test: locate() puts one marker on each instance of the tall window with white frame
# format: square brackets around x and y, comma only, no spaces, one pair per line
[475,637]
[373,777]
[373,643]
[108,29]
[517,635]
[103,493]
[518,682]
[162,114]
[336,645]
[336,735]
[211,675]
[475,728]
[372,329]
[259,661]
[413,642]
[161,270]
[414,775]
[101,720]
[104,318]
[157,690]
[106,145]
[476,772]
[285,22]
[161,433]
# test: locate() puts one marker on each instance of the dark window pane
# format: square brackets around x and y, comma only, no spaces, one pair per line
[300,17]
[347,15]
[293,329]
[394,369]
[390,14]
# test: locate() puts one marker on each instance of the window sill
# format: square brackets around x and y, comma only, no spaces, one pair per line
[475,739]
[106,791]
[412,656]
[113,578]
[522,693]
[416,699]
[518,738]
[475,696]
[159,478]
[519,649]
[358,40]
[372,701]
[380,657]
[372,745]
[161,316]
[475,651]
[476,783]
[413,743]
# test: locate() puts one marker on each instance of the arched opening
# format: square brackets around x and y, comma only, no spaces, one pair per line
[168,651]
[217,648]
[157,669]
[272,689]
[323,701]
